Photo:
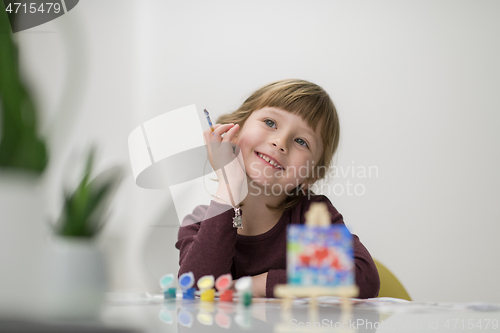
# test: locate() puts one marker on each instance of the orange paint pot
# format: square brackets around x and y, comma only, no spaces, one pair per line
[226,296]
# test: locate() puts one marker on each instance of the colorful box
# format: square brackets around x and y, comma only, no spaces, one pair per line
[320,256]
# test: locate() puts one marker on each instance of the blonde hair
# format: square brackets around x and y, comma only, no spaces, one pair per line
[305,99]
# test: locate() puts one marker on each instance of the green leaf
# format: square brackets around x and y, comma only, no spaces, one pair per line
[85,208]
[20,145]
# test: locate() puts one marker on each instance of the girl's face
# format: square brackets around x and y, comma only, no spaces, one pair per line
[290,146]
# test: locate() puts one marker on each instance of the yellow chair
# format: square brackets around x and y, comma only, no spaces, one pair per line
[389,284]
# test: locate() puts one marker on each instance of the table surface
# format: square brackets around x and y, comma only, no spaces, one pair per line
[150,313]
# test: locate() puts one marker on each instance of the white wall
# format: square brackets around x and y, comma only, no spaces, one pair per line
[414,83]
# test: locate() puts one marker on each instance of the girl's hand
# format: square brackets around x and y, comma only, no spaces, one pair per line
[229,167]
[259,283]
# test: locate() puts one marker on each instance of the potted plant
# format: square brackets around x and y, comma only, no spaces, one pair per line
[76,270]
[77,280]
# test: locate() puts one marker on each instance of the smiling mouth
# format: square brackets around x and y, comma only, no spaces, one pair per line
[269,161]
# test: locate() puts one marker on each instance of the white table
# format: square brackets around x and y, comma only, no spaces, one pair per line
[151,314]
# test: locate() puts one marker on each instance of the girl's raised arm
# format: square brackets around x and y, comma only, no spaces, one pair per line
[207,247]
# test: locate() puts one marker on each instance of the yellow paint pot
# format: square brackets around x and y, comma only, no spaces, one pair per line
[208,295]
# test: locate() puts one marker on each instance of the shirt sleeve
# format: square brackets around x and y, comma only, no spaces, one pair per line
[274,277]
[207,247]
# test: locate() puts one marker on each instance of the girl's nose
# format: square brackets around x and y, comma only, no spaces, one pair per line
[280,146]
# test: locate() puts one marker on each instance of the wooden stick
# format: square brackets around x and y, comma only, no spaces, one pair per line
[290,291]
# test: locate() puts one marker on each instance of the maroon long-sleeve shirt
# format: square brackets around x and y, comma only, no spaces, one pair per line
[213,247]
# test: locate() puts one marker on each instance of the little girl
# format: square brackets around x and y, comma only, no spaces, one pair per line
[287,133]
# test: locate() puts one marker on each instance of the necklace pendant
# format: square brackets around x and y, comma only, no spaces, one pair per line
[237,220]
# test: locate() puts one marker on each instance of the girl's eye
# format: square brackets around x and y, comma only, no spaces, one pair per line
[269,122]
[301,142]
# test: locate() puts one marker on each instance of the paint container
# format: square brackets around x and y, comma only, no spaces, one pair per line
[186,282]
[244,288]
[206,284]
[166,283]
[223,285]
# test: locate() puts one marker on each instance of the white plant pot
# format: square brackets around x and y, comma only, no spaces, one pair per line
[77,280]
[23,234]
